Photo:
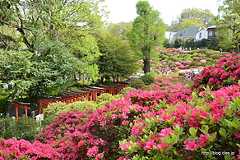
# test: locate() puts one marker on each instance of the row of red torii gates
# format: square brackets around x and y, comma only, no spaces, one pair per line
[89,93]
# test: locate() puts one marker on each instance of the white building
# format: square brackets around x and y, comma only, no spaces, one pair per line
[206,33]
[170,36]
[202,34]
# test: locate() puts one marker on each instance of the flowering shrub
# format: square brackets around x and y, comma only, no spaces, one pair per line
[166,122]
[187,130]
[23,150]
[226,72]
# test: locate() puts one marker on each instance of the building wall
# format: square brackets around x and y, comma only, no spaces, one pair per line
[211,33]
[202,34]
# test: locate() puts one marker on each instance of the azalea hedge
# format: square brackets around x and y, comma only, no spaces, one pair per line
[156,124]
[226,72]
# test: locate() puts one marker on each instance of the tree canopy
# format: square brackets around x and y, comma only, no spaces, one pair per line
[147,32]
[54,37]
[193,17]
[117,60]
[228,24]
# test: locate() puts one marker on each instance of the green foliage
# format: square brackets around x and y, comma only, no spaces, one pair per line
[15,71]
[137,83]
[24,128]
[193,17]
[124,91]
[28,74]
[117,60]
[106,98]
[224,37]
[55,109]
[229,20]
[47,44]
[120,30]
[149,78]
[147,32]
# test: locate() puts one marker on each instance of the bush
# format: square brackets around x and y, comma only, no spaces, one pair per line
[151,125]
[124,91]
[25,128]
[149,78]
[55,109]
[105,98]
[137,83]
[226,72]
[24,150]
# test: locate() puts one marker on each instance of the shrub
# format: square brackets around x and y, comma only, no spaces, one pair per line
[24,128]
[226,72]
[149,78]
[55,109]
[105,98]
[187,130]
[24,150]
[124,91]
[137,83]
[102,130]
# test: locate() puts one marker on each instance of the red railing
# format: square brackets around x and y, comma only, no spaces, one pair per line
[89,93]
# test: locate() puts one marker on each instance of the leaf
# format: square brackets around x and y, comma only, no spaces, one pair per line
[204,129]
[223,132]
[193,131]
[212,137]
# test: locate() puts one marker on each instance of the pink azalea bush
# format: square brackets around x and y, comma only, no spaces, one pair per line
[226,72]
[186,130]
[21,149]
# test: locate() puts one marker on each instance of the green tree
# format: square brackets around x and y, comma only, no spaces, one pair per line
[193,17]
[59,35]
[121,30]
[117,60]
[147,32]
[229,22]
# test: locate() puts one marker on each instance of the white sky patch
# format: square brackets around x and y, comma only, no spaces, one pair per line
[125,10]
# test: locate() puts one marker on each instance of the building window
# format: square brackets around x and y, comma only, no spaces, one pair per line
[210,33]
[200,35]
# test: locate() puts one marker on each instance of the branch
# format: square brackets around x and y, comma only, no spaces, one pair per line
[21,30]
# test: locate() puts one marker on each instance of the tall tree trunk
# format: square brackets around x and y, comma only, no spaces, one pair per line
[146,60]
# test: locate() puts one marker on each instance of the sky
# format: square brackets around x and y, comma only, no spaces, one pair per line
[125,10]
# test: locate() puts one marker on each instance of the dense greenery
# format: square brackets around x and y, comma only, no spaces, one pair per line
[47,45]
[147,32]
[192,44]
[193,17]
[229,20]
[117,61]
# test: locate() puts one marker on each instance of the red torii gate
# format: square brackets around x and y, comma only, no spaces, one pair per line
[18,105]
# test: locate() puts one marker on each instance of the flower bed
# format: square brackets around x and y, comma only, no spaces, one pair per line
[168,122]
[173,61]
